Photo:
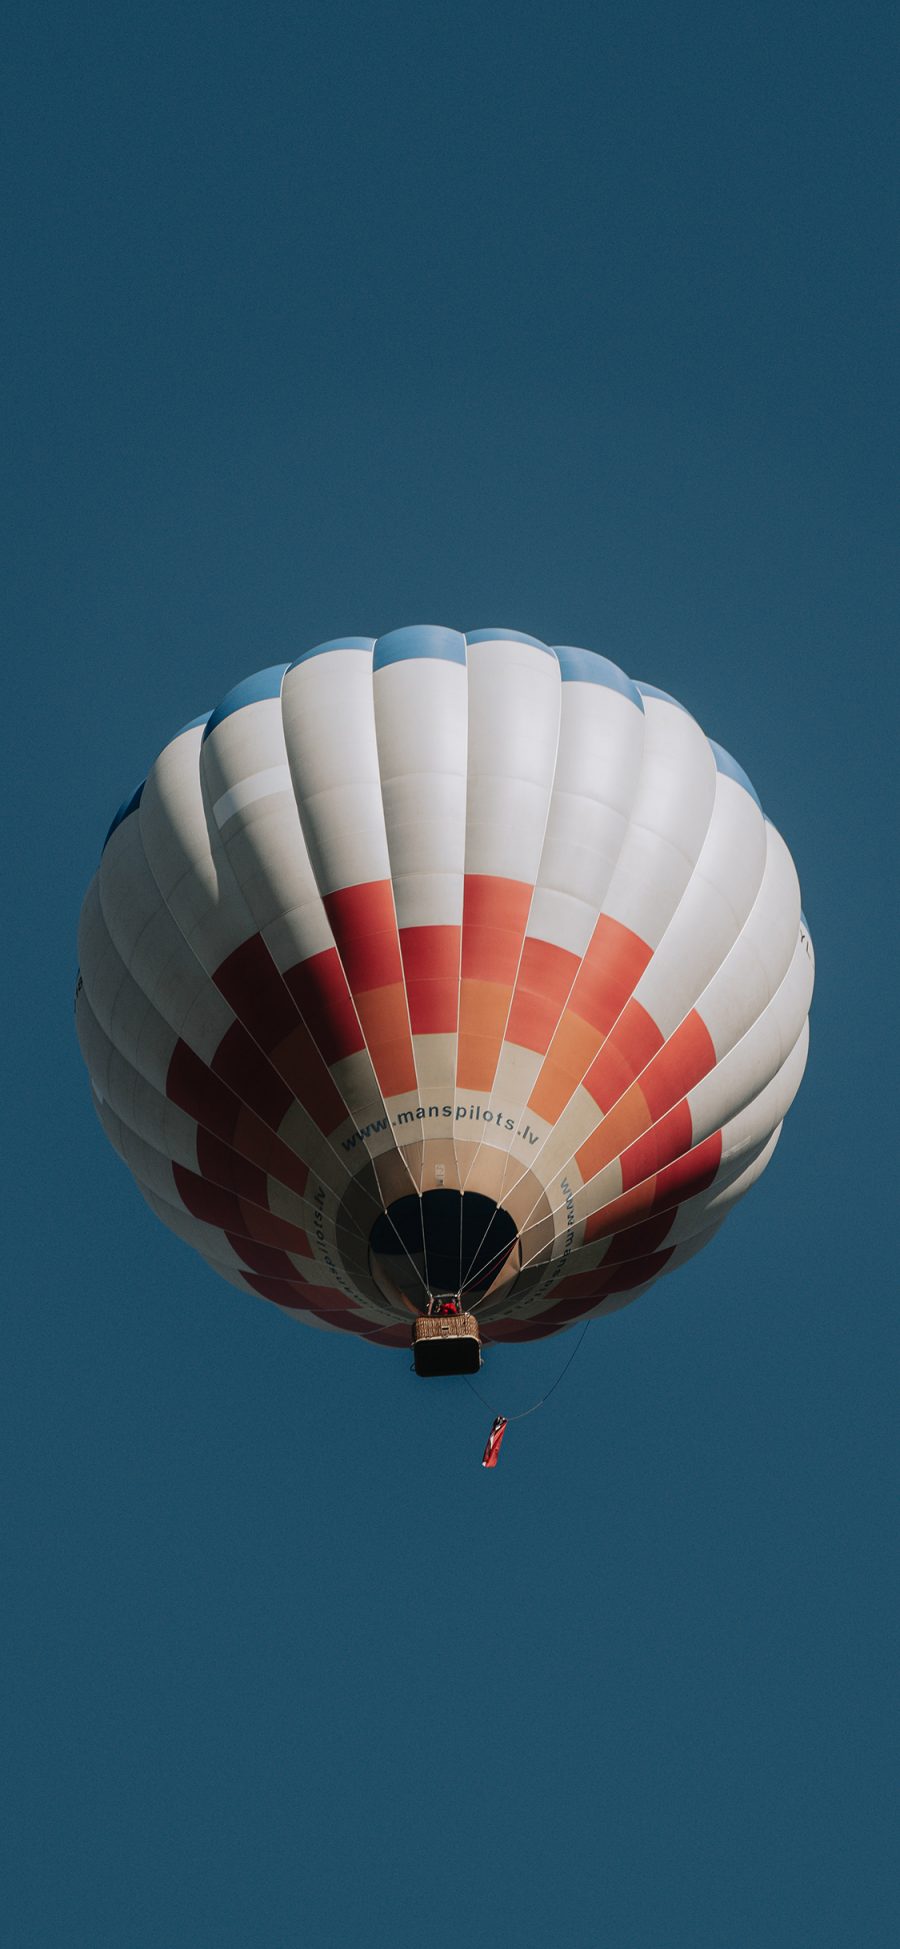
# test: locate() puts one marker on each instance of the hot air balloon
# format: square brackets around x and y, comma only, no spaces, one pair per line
[443,984]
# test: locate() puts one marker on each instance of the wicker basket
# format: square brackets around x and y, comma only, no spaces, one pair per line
[446,1344]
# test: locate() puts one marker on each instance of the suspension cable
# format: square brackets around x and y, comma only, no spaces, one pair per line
[544,1397]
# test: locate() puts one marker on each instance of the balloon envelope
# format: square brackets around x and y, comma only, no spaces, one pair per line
[444,964]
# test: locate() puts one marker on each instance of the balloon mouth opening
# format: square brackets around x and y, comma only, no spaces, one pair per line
[444,1244]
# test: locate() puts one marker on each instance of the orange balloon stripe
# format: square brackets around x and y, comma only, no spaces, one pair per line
[431,961]
[640,1123]
[612,966]
[385,1023]
[495,916]
[627,1121]
[662,1191]
[625,1053]
[545,978]
[364,925]
[681,1064]
[483,1009]
[629,1209]
[691,1173]
[574,1046]
[658,1146]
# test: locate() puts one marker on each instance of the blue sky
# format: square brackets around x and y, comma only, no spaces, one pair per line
[580,322]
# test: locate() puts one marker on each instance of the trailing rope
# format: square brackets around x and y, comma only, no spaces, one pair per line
[544,1397]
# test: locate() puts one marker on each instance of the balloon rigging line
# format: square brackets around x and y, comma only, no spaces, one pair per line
[544,1397]
[474,1259]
